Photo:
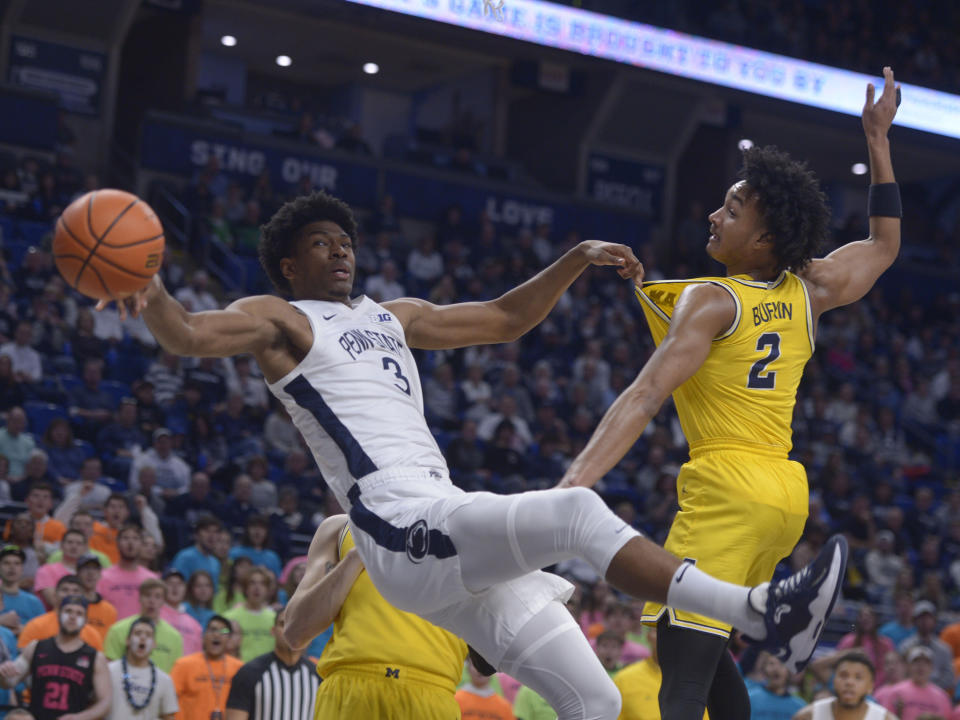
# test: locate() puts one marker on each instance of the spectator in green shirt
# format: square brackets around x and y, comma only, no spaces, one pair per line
[254,616]
[169,643]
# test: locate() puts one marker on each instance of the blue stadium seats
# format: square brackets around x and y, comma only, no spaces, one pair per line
[15,251]
[86,447]
[34,232]
[118,390]
[69,382]
[40,415]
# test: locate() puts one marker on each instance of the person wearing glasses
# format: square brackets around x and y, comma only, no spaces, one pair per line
[141,690]
[203,680]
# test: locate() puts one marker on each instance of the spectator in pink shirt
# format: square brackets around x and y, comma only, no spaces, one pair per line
[916,696]
[172,612]
[120,584]
[619,619]
[74,545]
[865,637]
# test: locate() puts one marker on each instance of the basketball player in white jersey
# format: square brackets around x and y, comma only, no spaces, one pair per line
[852,683]
[468,562]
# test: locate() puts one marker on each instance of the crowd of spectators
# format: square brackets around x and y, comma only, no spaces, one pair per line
[102,428]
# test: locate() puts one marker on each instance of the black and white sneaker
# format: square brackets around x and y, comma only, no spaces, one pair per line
[795,610]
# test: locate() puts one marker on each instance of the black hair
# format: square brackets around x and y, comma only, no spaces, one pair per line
[793,207]
[278,236]
[256,521]
[857,656]
[68,579]
[71,531]
[141,621]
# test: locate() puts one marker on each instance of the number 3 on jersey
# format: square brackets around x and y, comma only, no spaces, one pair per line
[388,364]
[758,379]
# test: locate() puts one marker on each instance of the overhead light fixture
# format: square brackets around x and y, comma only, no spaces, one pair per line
[228,41]
[859,169]
[284,61]
[745,144]
[371,68]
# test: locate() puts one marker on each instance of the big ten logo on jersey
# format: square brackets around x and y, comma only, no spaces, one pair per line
[380,317]
[765,312]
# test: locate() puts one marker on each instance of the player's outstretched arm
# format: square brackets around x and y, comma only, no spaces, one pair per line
[436,327]
[847,274]
[249,325]
[324,587]
[702,313]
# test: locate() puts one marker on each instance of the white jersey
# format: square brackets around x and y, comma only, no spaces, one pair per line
[356,396]
[823,710]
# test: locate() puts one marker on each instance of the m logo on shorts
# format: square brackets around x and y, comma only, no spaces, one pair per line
[417,541]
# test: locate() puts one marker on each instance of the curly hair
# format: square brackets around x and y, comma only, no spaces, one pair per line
[279,235]
[793,207]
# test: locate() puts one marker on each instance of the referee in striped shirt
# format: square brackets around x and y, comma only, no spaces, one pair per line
[280,685]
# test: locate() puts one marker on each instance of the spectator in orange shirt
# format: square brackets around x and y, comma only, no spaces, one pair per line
[47,530]
[116,513]
[479,701]
[202,680]
[103,537]
[48,625]
[100,613]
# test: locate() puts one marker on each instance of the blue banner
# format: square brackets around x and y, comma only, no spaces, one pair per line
[28,118]
[183,149]
[424,197]
[75,75]
[626,183]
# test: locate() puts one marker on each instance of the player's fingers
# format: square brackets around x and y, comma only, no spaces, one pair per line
[871,90]
[101,304]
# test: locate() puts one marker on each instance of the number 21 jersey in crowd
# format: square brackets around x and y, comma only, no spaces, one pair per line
[62,682]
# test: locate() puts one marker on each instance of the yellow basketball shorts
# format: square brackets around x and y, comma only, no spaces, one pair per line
[360,693]
[740,514]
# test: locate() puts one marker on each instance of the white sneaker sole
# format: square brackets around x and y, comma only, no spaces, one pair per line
[802,645]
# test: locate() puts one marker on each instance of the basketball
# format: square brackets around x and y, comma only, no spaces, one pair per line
[108,244]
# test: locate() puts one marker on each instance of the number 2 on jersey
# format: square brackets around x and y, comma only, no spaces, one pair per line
[768,381]
[388,363]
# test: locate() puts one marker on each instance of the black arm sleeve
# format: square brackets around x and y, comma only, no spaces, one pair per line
[242,688]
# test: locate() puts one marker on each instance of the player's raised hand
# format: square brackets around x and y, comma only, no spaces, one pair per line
[878,116]
[599,252]
[133,304]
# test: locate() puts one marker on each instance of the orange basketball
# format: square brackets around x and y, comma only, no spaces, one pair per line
[108,244]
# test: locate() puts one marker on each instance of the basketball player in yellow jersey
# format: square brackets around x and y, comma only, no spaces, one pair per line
[732,351]
[380,662]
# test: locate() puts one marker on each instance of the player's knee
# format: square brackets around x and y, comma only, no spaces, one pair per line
[604,702]
[584,499]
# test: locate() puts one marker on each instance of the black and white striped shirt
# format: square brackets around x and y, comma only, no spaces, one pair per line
[268,689]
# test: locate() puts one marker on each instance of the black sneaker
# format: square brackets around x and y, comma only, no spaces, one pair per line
[796,609]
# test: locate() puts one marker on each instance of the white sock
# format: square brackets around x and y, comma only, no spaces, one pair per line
[695,591]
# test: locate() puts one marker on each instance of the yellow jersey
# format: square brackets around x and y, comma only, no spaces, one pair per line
[744,393]
[369,634]
[639,686]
